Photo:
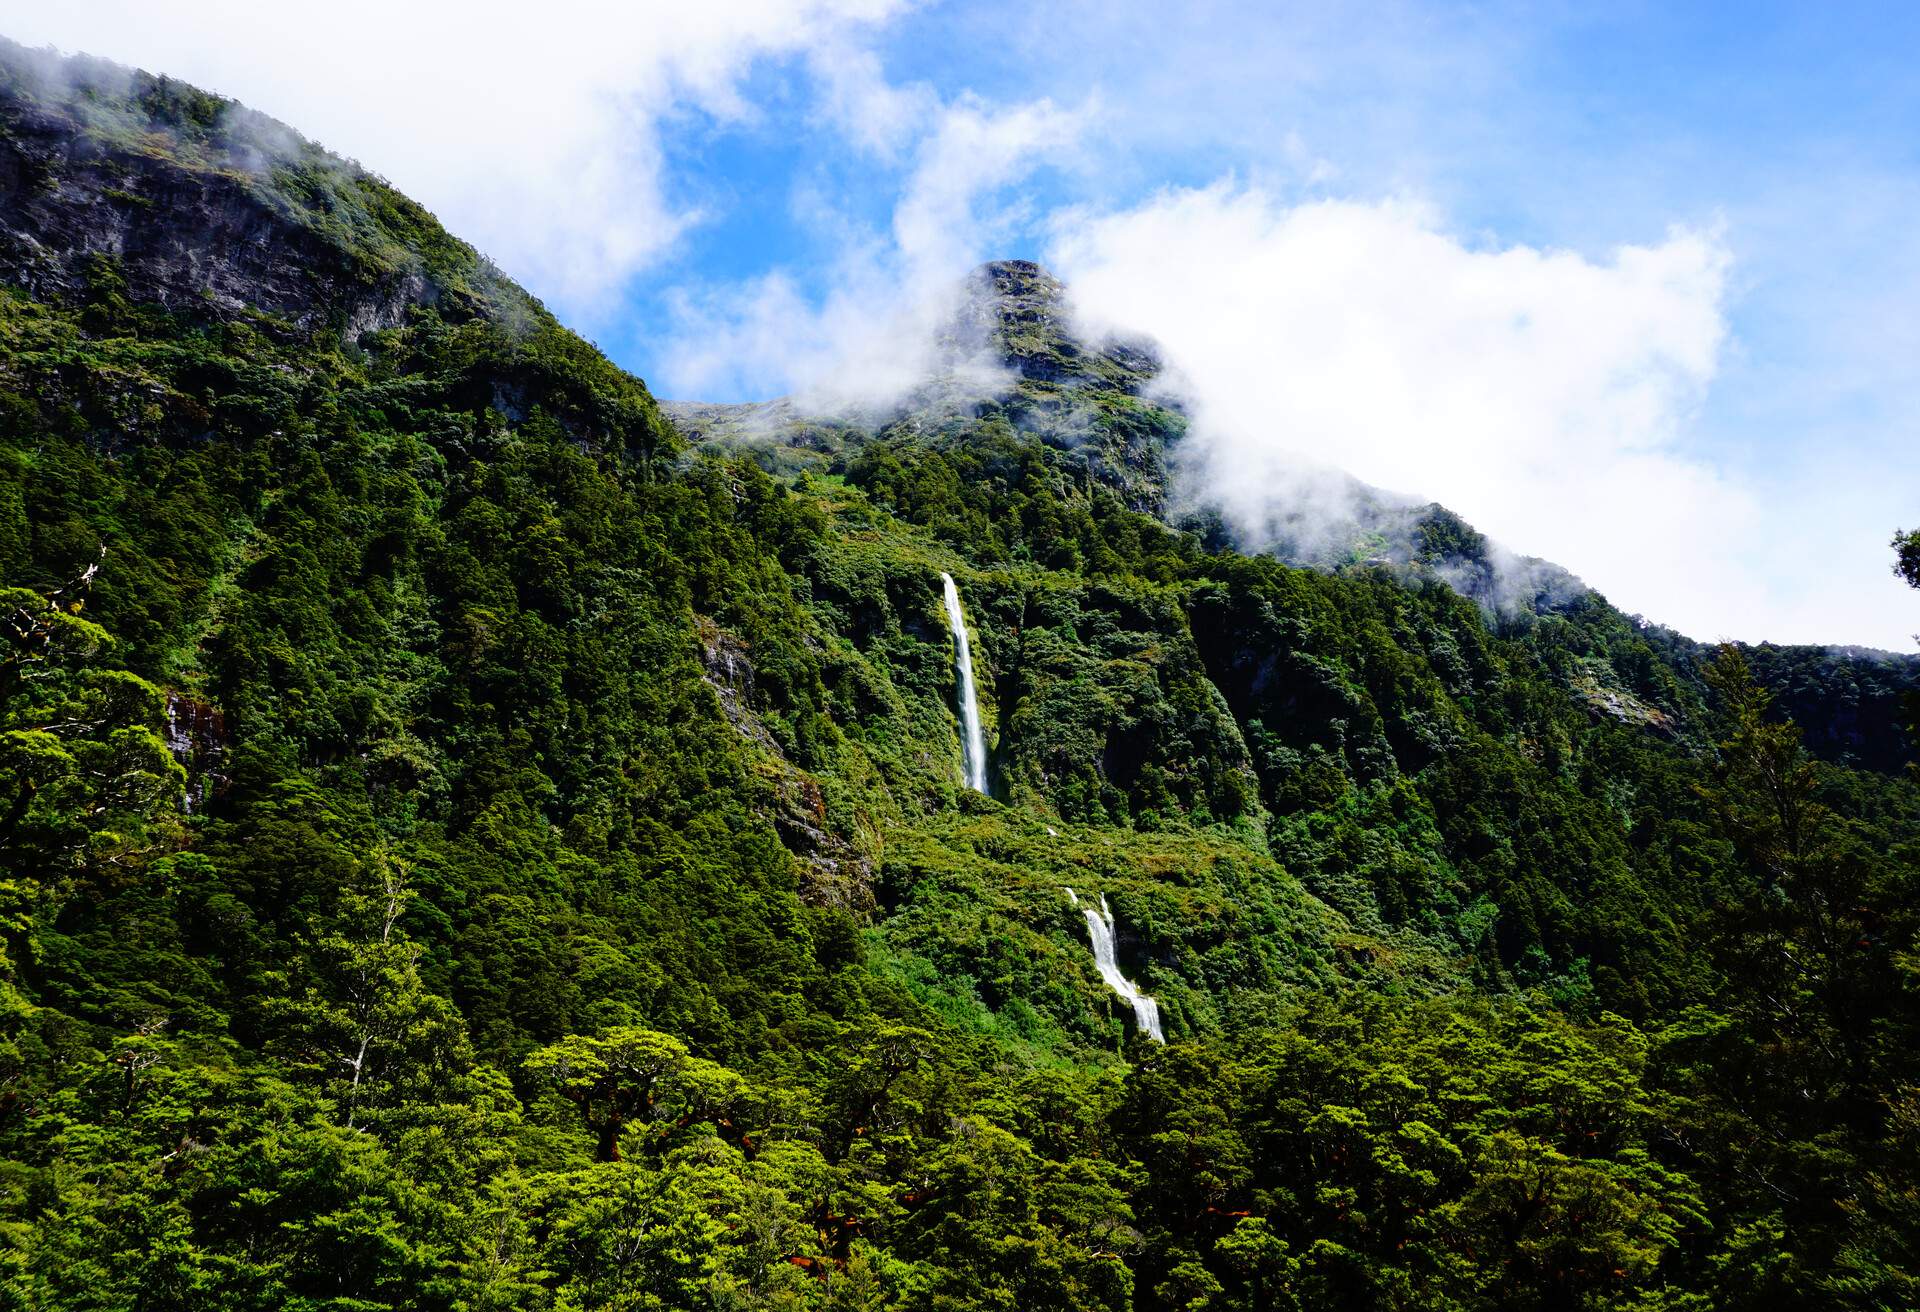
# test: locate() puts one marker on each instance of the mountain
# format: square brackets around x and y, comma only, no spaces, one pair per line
[245,219]
[1012,351]
[1011,358]
[474,840]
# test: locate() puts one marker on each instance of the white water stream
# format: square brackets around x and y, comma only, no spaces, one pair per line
[1100,929]
[973,743]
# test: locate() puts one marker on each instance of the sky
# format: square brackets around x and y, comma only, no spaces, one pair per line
[1633,287]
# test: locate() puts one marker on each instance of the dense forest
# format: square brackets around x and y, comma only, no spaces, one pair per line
[472,842]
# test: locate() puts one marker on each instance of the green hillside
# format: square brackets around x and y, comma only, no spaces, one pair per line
[473,842]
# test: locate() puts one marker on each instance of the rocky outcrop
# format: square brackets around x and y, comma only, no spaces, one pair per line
[1010,352]
[196,734]
[115,183]
[1023,313]
[833,870]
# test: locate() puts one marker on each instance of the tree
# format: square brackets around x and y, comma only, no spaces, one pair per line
[1799,928]
[1546,1230]
[628,1074]
[864,1093]
[89,786]
[636,1235]
[365,1022]
[1262,1262]
[88,790]
[1796,1083]
[1906,563]
[1906,555]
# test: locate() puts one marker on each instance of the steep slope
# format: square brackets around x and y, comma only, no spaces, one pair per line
[449,576]
[1012,361]
[1012,352]
[464,849]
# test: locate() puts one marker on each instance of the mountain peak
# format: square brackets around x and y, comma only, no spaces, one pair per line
[1021,285]
[1017,271]
[1024,315]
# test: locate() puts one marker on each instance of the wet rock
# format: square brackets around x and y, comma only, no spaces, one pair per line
[196,734]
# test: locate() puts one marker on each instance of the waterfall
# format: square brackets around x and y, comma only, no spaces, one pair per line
[973,745]
[1146,1012]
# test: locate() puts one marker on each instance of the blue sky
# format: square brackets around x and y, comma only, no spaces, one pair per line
[1654,302]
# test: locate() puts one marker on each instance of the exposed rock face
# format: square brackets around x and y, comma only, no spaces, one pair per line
[1023,312]
[833,871]
[1599,687]
[1095,399]
[188,240]
[1010,353]
[113,181]
[196,734]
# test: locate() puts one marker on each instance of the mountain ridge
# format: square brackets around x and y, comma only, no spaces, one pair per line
[1012,349]
[1014,337]
[249,193]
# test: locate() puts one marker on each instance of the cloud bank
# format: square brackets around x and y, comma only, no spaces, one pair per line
[1541,394]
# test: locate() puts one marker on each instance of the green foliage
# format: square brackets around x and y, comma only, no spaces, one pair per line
[1906,556]
[1443,534]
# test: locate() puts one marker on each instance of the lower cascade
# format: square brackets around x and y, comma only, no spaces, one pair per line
[973,743]
[1146,1012]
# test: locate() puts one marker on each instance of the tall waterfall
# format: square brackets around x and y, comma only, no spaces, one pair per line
[973,746]
[1146,1012]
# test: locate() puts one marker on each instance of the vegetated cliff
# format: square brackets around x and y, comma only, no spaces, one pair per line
[579,901]
[1013,366]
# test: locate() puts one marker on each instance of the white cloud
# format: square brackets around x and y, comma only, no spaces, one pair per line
[938,228]
[871,337]
[531,130]
[1593,410]
[873,113]
[1541,394]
